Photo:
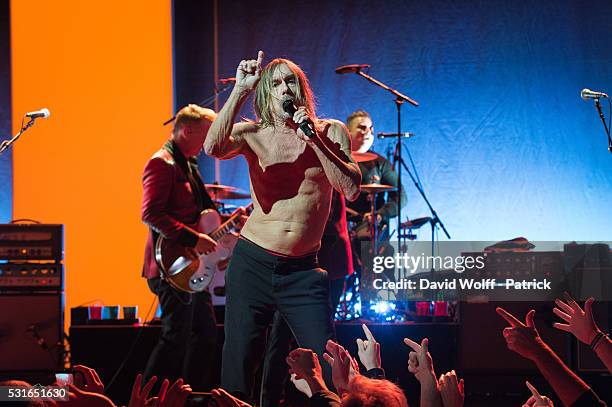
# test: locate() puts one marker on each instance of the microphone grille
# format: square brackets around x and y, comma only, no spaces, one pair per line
[46,113]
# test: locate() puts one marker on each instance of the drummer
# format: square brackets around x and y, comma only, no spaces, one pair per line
[375,169]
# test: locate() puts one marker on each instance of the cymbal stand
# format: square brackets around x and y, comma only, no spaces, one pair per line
[435,219]
[373,223]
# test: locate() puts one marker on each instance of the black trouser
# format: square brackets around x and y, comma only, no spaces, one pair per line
[280,342]
[258,284]
[187,345]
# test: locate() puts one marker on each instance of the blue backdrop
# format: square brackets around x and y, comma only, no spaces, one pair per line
[504,146]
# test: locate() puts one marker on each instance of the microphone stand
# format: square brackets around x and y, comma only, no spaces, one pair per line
[400,98]
[7,143]
[206,102]
[603,120]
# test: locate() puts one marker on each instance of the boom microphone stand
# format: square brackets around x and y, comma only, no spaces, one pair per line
[603,120]
[209,101]
[400,98]
[7,143]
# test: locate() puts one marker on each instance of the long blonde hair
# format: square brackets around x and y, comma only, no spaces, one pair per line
[262,101]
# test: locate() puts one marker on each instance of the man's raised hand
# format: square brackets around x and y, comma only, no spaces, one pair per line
[368,350]
[537,399]
[341,364]
[451,390]
[420,362]
[249,72]
[579,322]
[522,338]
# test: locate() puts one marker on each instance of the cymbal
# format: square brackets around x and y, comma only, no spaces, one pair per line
[415,223]
[219,187]
[375,188]
[363,157]
[220,195]
[219,192]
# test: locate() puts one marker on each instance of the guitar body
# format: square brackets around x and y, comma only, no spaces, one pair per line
[185,269]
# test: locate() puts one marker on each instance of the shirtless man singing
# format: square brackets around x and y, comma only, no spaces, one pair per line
[274,265]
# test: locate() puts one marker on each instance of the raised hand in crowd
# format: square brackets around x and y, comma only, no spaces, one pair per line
[536,398]
[420,364]
[81,398]
[523,338]
[304,364]
[175,396]
[582,325]
[141,395]
[341,364]
[224,399]
[87,379]
[369,350]
[451,390]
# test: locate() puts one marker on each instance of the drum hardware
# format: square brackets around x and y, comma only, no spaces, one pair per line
[411,225]
[372,190]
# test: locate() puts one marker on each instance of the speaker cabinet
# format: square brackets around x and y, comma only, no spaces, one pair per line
[31,332]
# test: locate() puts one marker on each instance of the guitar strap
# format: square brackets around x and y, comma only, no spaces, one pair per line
[190,169]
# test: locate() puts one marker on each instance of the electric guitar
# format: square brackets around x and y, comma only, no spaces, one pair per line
[187,270]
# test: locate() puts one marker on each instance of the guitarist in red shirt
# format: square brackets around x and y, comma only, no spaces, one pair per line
[173,197]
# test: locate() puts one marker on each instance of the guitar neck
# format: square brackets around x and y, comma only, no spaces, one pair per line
[229,224]
[225,228]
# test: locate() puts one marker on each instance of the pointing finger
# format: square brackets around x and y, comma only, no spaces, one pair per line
[368,333]
[260,57]
[415,346]
[534,391]
[511,319]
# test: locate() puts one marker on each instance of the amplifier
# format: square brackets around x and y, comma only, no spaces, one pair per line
[31,276]
[31,242]
[520,267]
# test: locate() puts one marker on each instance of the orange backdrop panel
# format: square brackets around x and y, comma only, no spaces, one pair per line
[104,70]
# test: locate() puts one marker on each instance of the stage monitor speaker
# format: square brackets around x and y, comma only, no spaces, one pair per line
[31,332]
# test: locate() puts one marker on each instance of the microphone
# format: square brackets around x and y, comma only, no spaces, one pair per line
[44,113]
[394,135]
[225,81]
[587,94]
[306,126]
[354,68]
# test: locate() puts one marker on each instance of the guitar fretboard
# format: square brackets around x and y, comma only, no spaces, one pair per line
[225,228]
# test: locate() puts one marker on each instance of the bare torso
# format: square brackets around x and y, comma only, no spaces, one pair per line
[291,193]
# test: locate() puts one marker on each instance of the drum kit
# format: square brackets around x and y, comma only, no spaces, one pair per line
[371,230]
